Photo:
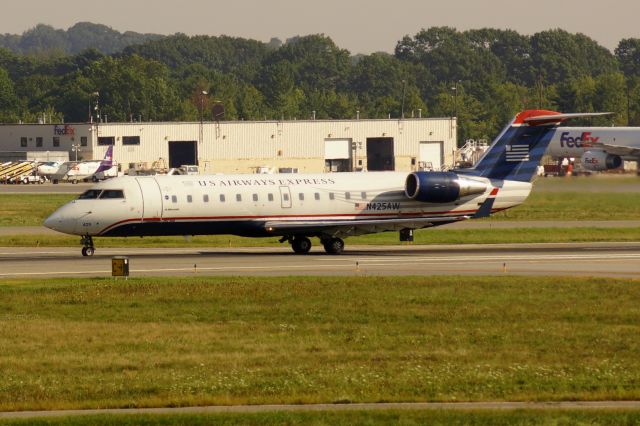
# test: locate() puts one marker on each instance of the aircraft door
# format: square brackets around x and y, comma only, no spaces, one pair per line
[285,197]
[151,198]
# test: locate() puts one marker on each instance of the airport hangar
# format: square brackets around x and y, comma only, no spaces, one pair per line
[305,146]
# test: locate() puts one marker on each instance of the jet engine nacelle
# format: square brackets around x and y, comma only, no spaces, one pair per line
[600,160]
[440,187]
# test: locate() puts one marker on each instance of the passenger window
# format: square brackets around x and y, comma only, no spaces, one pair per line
[255,197]
[285,197]
[301,196]
[205,198]
[112,193]
[174,199]
[347,195]
[317,195]
[189,198]
[238,197]
[270,197]
[363,195]
[222,198]
[332,196]
[90,194]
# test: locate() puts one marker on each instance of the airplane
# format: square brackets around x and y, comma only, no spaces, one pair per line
[597,148]
[77,171]
[330,206]
[49,168]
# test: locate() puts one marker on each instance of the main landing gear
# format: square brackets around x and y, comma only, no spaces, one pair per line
[88,248]
[301,244]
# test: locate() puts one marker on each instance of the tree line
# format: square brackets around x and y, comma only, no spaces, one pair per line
[481,76]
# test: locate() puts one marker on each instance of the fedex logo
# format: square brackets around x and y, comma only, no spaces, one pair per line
[584,140]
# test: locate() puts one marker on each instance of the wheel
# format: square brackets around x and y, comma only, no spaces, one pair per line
[334,246]
[301,245]
[88,251]
[74,181]
[94,179]
[25,181]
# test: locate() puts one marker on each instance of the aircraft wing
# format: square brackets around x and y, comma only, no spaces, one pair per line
[357,226]
[622,151]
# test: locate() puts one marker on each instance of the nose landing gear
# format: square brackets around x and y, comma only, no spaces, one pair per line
[88,248]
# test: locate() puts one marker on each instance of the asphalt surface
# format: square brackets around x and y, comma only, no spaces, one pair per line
[591,259]
[46,188]
[493,406]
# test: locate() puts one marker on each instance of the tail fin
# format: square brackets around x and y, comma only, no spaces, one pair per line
[516,153]
[108,157]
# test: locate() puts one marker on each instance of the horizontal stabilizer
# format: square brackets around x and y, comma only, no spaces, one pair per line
[554,118]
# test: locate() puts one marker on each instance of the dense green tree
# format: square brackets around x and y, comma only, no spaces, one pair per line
[44,40]
[8,98]
[317,63]
[559,56]
[483,76]
[238,56]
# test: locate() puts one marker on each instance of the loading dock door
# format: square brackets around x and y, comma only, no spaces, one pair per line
[337,155]
[380,154]
[182,153]
[431,155]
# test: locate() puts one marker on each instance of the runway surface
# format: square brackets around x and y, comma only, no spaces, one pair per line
[593,259]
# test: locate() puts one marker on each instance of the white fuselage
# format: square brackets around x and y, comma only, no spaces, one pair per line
[572,142]
[246,204]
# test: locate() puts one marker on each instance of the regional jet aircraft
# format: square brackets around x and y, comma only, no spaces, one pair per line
[75,171]
[328,206]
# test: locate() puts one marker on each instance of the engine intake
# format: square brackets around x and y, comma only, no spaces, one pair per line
[599,161]
[440,187]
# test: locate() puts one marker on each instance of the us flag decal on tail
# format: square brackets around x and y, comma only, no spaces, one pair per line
[517,153]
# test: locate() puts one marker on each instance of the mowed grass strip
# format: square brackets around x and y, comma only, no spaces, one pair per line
[575,205]
[29,209]
[336,418]
[87,343]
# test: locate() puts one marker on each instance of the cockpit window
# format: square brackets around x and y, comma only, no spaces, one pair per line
[112,193]
[90,194]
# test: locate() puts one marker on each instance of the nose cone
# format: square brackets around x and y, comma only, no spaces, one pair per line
[61,221]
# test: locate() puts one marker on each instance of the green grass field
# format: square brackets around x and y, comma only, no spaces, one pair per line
[436,417]
[86,343]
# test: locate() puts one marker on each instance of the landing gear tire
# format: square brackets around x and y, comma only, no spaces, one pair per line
[88,248]
[301,245]
[334,246]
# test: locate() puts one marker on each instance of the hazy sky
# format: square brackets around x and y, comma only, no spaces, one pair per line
[360,26]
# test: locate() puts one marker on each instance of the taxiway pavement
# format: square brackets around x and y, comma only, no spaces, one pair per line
[592,259]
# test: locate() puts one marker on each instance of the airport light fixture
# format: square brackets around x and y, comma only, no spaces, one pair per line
[75,148]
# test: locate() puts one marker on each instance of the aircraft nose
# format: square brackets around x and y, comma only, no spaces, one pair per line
[60,222]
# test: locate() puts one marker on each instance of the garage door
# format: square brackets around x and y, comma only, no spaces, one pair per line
[431,155]
[337,149]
